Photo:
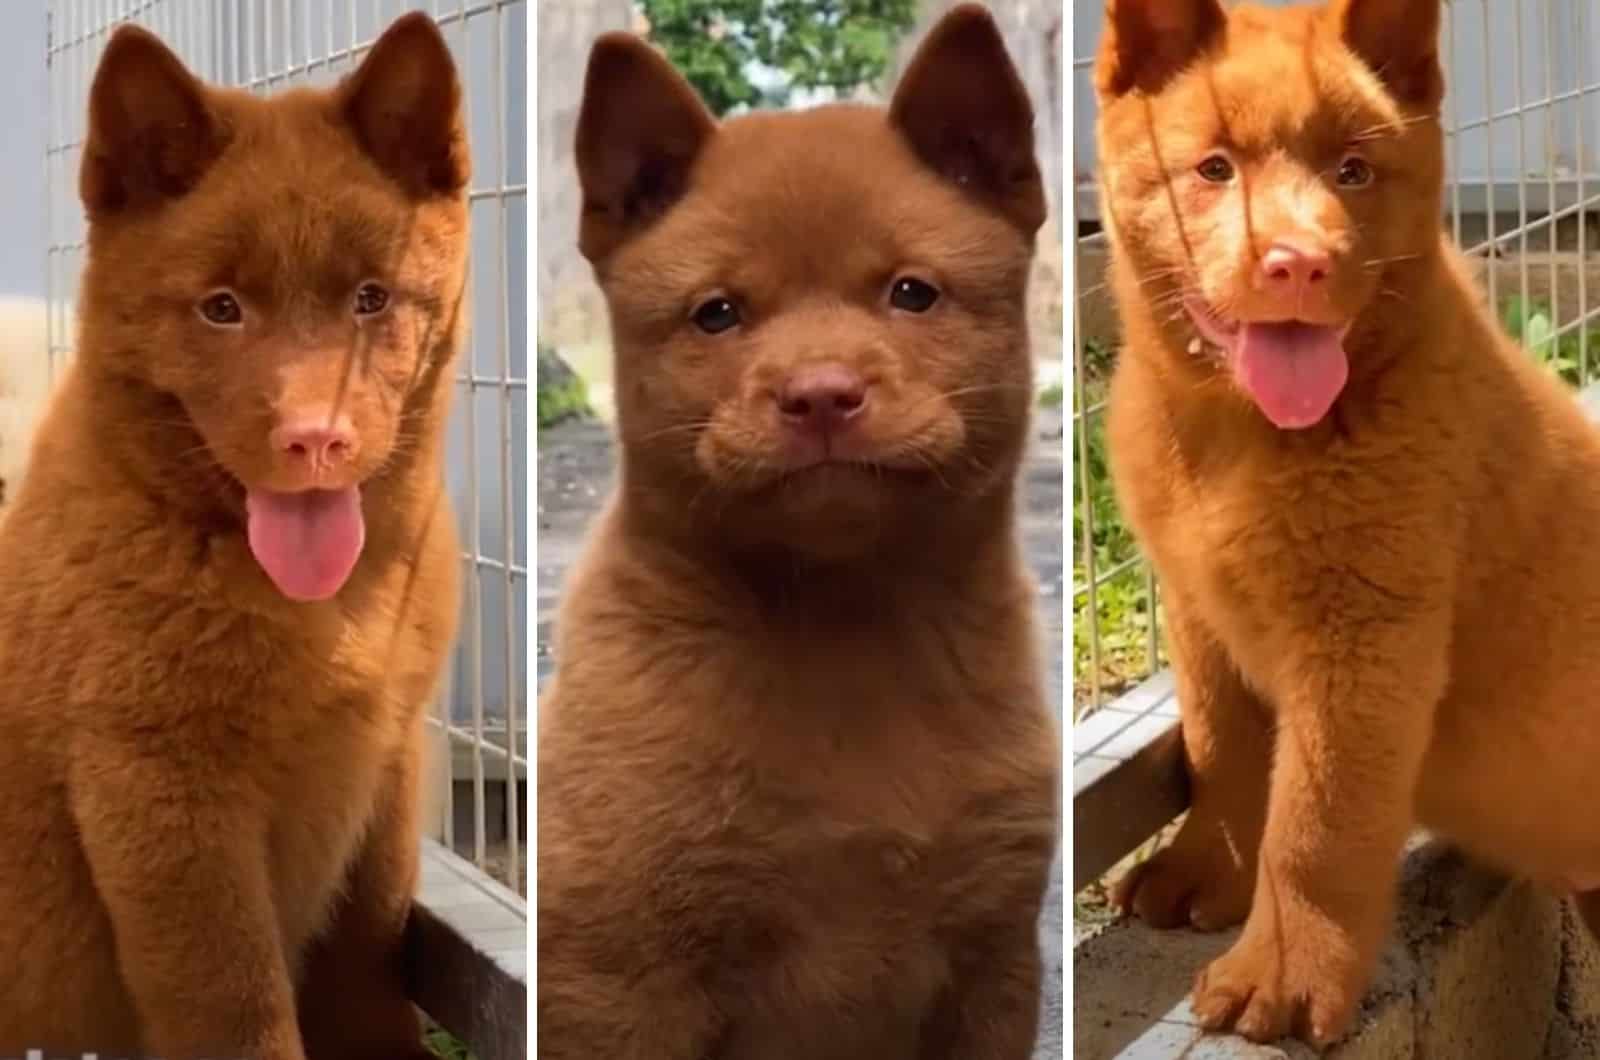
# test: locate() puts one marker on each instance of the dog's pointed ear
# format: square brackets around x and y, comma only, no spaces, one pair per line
[640,128]
[151,135]
[966,112]
[1399,41]
[404,103]
[1146,43]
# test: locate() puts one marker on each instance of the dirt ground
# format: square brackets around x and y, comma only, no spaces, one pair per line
[575,473]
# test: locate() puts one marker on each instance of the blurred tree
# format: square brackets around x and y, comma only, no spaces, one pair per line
[809,44]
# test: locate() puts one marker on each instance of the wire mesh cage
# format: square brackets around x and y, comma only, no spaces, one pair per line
[478,727]
[1522,149]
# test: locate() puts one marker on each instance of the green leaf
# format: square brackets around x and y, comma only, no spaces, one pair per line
[725,47]
[1537,335]
[1512,314]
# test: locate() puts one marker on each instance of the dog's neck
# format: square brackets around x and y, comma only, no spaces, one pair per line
[964,548]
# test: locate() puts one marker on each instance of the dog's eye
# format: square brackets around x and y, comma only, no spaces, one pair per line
[1355,172]
[912,295]
[716,315]
[1215,168]
[221,309]
[370,299]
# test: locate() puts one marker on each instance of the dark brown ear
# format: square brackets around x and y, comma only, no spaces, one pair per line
[151,135]
[404,102]
[967,115]
[1399,41]
[1147,42]
[639,131]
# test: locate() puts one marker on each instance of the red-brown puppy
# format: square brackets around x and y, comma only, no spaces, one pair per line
[797,777]
[227,584]
[1372,514]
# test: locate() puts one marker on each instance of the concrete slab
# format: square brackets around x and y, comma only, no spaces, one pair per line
[1478,968]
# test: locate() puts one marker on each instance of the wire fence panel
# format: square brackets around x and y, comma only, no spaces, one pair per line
[478,727]
[1522,120]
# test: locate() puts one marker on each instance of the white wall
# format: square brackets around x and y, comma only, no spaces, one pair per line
[22,191]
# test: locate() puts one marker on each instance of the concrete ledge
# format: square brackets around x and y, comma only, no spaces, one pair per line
[467,955]
[1478,968]
[1128,776]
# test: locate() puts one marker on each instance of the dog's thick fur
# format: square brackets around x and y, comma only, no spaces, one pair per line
[1384,618]
[208,792]
[797,777]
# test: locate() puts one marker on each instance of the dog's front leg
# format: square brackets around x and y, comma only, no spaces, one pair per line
[353,999]
[1205,877]
[182,870]
[1355,709]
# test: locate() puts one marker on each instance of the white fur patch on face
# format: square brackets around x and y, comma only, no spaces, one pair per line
[1300,200]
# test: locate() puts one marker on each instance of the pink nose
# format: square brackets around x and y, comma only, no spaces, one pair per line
[1291,271]
[822,398]
[317,442]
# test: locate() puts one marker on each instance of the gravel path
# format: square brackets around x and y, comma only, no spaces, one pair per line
[575,473]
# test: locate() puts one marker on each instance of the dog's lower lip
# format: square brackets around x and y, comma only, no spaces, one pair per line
[318,486]
[874,468]
[1201,312]
[1213,328]
[1222,332]
[829,463]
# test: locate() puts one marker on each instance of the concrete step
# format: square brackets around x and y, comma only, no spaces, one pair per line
[1479,968]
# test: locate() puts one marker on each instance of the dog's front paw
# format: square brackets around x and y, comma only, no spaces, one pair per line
[1196,881]
[1302,976]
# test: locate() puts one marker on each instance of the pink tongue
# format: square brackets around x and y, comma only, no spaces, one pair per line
[1293,371]
[307,542]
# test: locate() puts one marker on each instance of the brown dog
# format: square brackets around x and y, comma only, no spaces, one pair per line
[1372,514]
[797,778]
[227,587]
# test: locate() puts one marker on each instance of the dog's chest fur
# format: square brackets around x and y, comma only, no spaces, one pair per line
[826,815]
[141,643]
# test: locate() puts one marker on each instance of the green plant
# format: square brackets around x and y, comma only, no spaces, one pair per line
[1051,396]
[445,1045]
[561,392]
[1098,360]
[1568,354]
[1112,540]
[1123,603]
[723,46]
[560,401]
[1122,655]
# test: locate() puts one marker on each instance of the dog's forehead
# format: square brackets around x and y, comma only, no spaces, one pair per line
[253,227]
[1280,78]
[833,197]
[836,163]
[1292,57]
